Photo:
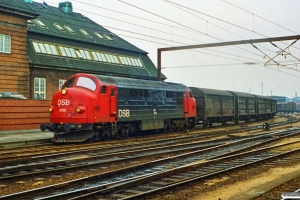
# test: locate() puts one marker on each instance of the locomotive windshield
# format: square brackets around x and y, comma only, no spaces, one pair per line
[86,83]
[69,83]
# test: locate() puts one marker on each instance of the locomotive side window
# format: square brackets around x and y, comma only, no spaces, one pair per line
[112,92]
[86,83]
[103,89]
[69,83]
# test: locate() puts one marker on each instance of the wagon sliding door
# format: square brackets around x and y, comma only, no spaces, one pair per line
[213,106]
[251,106]
[227,106]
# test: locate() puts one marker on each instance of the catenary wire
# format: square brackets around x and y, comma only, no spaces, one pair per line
[162,43]
[259,17]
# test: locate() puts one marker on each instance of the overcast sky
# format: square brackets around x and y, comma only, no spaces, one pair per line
[155,24]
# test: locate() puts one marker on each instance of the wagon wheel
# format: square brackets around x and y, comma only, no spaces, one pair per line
[223,122]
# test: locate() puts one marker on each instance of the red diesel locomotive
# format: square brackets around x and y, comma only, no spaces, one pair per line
[93,107]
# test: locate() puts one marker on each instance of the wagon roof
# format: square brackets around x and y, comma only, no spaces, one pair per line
[205,91]
[242,94]
[263,97]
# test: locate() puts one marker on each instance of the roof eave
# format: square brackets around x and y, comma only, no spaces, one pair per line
[25,14]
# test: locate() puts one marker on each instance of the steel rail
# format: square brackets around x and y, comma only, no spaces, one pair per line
[148,164]
[178,180]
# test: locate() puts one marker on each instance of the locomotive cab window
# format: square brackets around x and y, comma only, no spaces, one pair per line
[86,83]
[69,83]
[103,89]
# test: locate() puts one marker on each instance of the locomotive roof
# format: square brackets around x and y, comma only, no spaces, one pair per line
[242,94]
[123,82]
[199,92]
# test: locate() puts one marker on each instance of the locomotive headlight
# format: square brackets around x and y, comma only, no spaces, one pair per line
[80,109]
[64,91]
[50,109]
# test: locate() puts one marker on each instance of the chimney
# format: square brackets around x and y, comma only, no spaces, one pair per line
[66,7]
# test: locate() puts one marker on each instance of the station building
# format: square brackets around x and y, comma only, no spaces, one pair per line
[42,45]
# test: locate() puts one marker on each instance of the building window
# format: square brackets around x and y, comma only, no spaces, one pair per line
[70,29]
[39,88]
[98,35]
[60,83]
[85,33]
[109,38]
[39,22]
[5,43]
[59,27]
[30,23]
[85,54]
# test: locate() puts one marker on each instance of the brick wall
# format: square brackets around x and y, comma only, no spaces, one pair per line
[23,114]
[14,67]
[52,79]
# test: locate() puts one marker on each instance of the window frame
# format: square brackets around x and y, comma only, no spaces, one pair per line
[41,90]
[5,43]
[61,82]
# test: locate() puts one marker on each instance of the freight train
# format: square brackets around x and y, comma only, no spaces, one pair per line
[286,107]
[223,106]
[94,107]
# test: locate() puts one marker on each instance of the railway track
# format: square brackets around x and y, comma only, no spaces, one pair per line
[146,185]
[276,193]
[164,159]
[28,151]
[44,144]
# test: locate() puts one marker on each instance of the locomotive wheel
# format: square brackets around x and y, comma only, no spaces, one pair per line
[106,136]
[166,128]
[204,125]
[126,133]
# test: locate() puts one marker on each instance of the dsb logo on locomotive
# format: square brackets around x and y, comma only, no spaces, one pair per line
[63,102]
[124,113]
